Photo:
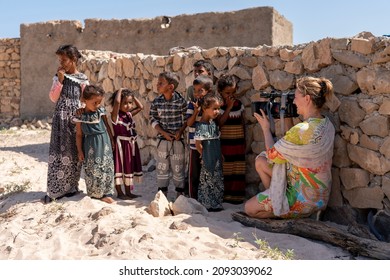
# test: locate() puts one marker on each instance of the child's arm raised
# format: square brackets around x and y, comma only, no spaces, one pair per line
[79,141]
[223,118]
[117,104]
[196,109]
[139,107]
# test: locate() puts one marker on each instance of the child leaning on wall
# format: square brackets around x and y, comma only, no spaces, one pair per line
[232,126]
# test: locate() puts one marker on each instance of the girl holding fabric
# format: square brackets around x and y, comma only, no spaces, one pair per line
[296,170]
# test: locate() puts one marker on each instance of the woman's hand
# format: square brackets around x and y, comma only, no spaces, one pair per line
[263,120]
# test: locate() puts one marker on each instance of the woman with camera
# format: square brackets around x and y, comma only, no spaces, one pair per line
[296,170]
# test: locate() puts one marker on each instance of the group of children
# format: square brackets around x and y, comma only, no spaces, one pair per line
[216,170]
[216,137]
[82,137]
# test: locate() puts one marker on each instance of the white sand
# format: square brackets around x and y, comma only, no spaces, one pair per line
[84,228]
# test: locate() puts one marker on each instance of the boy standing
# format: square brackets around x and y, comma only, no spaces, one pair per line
[201,67]
[167,116]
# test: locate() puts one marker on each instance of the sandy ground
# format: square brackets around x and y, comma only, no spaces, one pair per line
[83,228]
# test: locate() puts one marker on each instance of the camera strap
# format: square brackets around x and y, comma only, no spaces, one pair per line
[283,106]
[271,118]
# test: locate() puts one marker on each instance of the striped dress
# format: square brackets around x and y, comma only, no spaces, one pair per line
[233,151]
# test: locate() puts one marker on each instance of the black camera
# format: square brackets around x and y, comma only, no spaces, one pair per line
[277,103]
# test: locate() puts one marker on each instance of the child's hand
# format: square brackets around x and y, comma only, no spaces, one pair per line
[79,112]
[230,102]
[60,74]
[81,156]
[168,136]
[178,135]
[196,106]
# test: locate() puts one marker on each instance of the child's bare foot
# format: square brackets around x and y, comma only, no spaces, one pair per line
[107,199]
[131,195]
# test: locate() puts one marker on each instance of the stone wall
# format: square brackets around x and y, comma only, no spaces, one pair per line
[39,41]
[9,77]
[358,67]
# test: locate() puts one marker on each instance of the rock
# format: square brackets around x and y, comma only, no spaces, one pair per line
[159,207]
[185,205]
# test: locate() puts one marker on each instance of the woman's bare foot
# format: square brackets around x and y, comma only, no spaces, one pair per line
[107,199]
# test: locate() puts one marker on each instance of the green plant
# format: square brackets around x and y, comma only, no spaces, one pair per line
[12,188]
[237,238]
[273,253]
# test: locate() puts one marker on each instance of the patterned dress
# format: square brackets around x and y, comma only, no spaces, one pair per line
[98,162]
[210,191]
[128,167]
[308,189]
[63,166]
[233,151]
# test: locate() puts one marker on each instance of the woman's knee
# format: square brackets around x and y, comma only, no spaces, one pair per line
[260,163]
[250,206]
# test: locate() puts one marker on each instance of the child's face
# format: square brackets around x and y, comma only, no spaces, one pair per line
[200,70]
[199,91]
[126,103]
[228,92]
[92,104]
[212,111]
[67,64]
[163,86]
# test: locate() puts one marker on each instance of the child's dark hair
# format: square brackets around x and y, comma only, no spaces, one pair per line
[70,51]
[209,99]
[92,90]
[207,65]
[226,81]
[205,81]
[125,93]
[171,77]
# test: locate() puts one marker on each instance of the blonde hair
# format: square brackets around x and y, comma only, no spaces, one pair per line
[319,89]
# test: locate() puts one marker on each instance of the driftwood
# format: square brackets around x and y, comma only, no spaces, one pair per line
[322,231]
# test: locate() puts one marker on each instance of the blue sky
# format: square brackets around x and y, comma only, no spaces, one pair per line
[312,20]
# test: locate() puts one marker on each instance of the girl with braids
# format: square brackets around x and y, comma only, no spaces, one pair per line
[296,170]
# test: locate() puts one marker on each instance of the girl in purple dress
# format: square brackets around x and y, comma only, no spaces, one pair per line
[128,167]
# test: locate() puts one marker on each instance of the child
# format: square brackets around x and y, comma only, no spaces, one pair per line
[167,116]
[128,167]
[231,123]
[63,172]
[94,147]
[202,85]
[210,192]
[201,67]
